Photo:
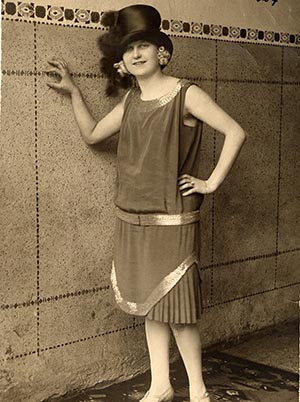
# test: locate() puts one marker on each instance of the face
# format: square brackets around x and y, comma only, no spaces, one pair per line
[140,58]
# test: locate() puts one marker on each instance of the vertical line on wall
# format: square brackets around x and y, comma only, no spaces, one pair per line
[213,194]
[279,169]
[36,197]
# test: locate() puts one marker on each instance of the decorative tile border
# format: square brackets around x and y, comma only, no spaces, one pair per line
[29,11]
[195,29]
[51,14]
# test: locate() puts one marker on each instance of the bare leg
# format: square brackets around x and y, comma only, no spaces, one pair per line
[188,341]
[158,336]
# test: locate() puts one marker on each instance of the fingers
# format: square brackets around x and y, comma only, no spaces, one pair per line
[63,61]
[186,182]
[58,62]
[186,185]
[55,63]
[59,67]
[185,178]
[57,59]
[192,185]
[53,85]
[53,70]
[191,191]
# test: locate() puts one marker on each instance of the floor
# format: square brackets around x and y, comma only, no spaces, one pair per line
[261,368]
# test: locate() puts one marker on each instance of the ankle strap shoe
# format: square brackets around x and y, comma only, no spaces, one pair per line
[167,396]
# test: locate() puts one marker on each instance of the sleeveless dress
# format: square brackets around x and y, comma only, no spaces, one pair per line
[155,270]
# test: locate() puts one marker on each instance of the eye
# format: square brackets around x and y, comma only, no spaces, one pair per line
[144,45]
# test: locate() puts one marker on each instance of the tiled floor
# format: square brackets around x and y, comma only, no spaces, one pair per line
[260,368]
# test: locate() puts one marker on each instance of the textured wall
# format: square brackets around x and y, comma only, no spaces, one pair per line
[58,326]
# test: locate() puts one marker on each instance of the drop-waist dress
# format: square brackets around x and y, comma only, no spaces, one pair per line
[155,271]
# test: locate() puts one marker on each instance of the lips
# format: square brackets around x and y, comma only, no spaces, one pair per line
[138,63]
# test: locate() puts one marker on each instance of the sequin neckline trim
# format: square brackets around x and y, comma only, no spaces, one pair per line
[162,100]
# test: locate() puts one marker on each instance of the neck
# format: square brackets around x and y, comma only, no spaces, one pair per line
[150,86]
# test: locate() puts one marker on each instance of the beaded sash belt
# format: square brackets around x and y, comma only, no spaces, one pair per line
[158,219]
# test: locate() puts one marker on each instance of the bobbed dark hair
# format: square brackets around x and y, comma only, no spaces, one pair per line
[109,44]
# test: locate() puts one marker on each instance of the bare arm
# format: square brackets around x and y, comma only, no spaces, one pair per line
[201,106]
[91,130]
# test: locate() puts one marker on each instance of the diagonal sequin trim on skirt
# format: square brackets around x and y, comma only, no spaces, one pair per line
[161,290]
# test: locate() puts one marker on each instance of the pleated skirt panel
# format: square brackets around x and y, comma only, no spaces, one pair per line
[183,304]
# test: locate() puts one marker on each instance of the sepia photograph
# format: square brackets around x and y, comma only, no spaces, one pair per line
[150,201]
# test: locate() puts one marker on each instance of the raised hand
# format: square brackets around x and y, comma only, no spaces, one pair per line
[60,67]
[193,185]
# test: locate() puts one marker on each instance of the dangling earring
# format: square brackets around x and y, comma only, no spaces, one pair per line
[163,56]
[121,69]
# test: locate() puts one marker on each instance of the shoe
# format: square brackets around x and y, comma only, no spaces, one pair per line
[204,398]
[167,396]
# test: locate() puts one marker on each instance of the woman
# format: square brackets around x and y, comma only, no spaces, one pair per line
[155,272]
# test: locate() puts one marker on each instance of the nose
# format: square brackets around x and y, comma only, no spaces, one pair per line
[136,52]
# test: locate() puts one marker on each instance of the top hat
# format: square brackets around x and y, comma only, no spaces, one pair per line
[137,22]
